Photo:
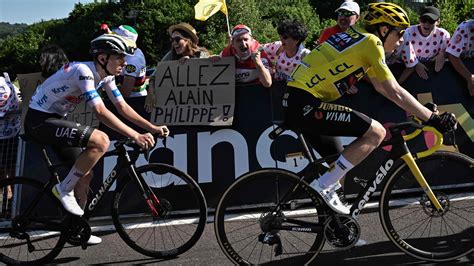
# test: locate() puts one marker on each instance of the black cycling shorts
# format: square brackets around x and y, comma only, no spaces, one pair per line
[311,116]
[66,137]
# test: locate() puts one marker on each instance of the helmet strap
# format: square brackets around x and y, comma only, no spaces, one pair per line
[382,37]
[104,65]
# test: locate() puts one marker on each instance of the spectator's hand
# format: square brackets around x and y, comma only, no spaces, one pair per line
[421,70]
[183,60]
[214,58]
[163,131]
[470,85]
[352,90]
[256,57]
[440,59]
[150,101]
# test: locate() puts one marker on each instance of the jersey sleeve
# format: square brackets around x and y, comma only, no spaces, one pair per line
[375,55]
[85,82]
[458,42]
[112,91]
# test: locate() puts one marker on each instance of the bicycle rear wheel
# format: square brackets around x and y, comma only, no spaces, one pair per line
[182,212]
[43,225]
[414,225]
[246,219]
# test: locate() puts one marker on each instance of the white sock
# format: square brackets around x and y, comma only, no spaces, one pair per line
[71,179]
[340,167]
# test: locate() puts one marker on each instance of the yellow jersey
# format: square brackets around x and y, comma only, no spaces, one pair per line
[338,63]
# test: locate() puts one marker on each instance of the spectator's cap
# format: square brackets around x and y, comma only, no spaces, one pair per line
[188,29]
[239,30]
[350,6]
[104,26]
[431,12]
[126,32]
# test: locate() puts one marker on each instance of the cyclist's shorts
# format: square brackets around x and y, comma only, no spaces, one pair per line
[309,114]
[56,131]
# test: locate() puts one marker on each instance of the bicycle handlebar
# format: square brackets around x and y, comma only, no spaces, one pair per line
[422,128]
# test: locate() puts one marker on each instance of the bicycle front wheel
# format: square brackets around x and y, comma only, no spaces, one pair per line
[414,225]
[180,217]
[31,223]
[253,211]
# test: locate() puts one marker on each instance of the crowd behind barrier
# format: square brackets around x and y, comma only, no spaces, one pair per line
[215,156]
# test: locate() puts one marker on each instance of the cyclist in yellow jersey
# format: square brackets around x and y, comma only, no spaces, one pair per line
[330,70]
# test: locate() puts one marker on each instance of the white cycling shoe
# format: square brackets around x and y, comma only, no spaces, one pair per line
[68,200]
[360,243]
[330,196]
[94,240]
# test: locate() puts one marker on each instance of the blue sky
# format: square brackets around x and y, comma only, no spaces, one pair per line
[31,11]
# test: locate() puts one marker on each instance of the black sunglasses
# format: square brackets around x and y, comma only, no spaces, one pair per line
[177,39]
[345,13]
[427,19]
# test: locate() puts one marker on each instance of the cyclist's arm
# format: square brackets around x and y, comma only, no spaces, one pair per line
[110,120]
[131,115]
[394,92]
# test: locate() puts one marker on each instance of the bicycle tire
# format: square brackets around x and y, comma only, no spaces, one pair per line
[167,236]
[238,233]
[44,226]
[427,235]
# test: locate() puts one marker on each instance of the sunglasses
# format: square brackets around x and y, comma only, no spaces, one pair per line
[427,19]
[176,39]
[345,13]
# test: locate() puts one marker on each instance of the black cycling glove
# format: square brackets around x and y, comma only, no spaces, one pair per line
[445,122]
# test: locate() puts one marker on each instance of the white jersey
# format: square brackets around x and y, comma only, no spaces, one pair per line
[462,41]
[136,68]
[74,82]
[419,48]
[10,117]
[284,65]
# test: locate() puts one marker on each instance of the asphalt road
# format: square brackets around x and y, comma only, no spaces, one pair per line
[378,251]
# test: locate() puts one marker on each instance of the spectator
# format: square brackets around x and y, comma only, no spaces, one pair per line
[287,53]
[10,121]
[104,29]
[252,63]
[51,59]
[132,79]
[347,15]
[423,43]
[461,45]
[184,45]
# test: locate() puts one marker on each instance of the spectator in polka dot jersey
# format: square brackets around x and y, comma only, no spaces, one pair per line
[460,46]
[423,43]
[287,53]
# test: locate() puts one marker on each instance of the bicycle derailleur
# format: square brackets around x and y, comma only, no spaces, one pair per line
[268,221]
[79,231]
[341,231]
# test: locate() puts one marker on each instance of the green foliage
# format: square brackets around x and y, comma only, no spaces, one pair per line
[18,54]
[7,29]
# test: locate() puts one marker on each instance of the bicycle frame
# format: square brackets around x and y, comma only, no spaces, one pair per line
[399,151]
[125,160]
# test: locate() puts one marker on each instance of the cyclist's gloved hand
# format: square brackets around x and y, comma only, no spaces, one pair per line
[445,122]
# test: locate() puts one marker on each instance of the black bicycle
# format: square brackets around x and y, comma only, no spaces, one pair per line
[426,207]
[157,210]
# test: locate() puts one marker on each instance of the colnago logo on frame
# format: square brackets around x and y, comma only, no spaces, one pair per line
[379,176]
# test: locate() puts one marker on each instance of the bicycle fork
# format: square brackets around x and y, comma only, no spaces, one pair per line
[410,161]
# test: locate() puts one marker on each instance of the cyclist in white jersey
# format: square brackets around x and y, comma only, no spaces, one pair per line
[59,94]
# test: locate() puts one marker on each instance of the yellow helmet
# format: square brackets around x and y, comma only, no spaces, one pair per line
[388,13]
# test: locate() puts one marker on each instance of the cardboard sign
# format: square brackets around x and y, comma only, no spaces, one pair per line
[83,114]
[198,92]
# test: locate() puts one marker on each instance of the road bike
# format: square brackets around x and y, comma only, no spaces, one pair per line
[157,210]
[426,206]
